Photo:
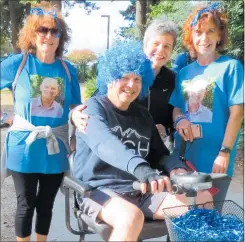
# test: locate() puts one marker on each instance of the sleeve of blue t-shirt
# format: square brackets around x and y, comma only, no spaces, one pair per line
[176,94]
[9,69]
[235,83]
[103,142]
[75,87]
[179,62]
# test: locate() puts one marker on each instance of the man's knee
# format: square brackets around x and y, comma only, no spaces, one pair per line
[120,213]
[134,219]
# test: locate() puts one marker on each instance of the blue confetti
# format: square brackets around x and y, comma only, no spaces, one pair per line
[208,225]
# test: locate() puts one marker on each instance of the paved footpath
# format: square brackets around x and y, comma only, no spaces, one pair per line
[58,231]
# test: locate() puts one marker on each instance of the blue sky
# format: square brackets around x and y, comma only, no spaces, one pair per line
[90,31]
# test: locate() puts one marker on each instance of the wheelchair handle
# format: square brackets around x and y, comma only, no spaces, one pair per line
[188,183]
[176,189]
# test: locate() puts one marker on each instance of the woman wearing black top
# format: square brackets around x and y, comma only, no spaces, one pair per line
[159,41]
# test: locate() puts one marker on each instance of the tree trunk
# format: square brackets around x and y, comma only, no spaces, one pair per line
[14,24]
[140,16]
[57,4]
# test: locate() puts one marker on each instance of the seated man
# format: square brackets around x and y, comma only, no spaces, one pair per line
[122,145]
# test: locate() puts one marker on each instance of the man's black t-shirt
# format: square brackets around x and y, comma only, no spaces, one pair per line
[115,143]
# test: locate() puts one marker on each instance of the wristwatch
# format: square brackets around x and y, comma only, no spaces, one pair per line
[225,150]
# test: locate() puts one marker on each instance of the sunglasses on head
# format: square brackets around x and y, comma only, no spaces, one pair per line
[43,31]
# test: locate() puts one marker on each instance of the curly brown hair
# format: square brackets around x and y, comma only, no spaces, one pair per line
[218,17]
[27,34]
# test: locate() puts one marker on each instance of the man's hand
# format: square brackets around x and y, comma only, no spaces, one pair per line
[157,185]
[79,119]
[149,177]
[184,129]
[221,163]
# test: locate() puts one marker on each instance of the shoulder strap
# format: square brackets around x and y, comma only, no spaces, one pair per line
[188,58]
[19,71]
[66,69]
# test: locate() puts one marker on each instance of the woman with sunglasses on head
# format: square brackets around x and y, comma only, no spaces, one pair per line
[37,143]
[216,84]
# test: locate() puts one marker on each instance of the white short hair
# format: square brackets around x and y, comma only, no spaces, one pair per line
[160,26]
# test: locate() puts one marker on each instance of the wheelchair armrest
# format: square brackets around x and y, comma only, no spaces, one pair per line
[76,185]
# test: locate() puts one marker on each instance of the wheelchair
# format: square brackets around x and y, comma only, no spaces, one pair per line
[188,184]
[86,225]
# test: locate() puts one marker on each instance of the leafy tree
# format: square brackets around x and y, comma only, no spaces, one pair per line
[129,13]
[235,11]
[5,46]
[136,14]
[12,17]
[84,60]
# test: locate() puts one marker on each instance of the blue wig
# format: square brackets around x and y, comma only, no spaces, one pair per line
[124,58]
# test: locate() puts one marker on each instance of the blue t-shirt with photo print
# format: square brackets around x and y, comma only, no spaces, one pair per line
[205,94]
[43,95]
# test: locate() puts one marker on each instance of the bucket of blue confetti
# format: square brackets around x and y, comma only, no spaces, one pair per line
[211,221]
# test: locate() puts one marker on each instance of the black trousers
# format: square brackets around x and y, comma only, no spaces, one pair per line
[34,190]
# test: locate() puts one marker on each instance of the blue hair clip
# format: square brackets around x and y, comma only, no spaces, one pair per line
[197,16]
[52,13]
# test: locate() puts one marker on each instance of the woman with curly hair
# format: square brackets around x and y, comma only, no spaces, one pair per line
[37,142]
[122,145]
[206,30]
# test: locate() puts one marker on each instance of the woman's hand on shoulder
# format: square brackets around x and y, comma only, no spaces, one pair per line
[78,118]
[161,129]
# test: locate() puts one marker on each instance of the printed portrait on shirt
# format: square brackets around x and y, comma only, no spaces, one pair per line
[47,96]
[198,95]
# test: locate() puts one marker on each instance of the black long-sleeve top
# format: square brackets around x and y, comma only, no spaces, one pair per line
[157,102]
